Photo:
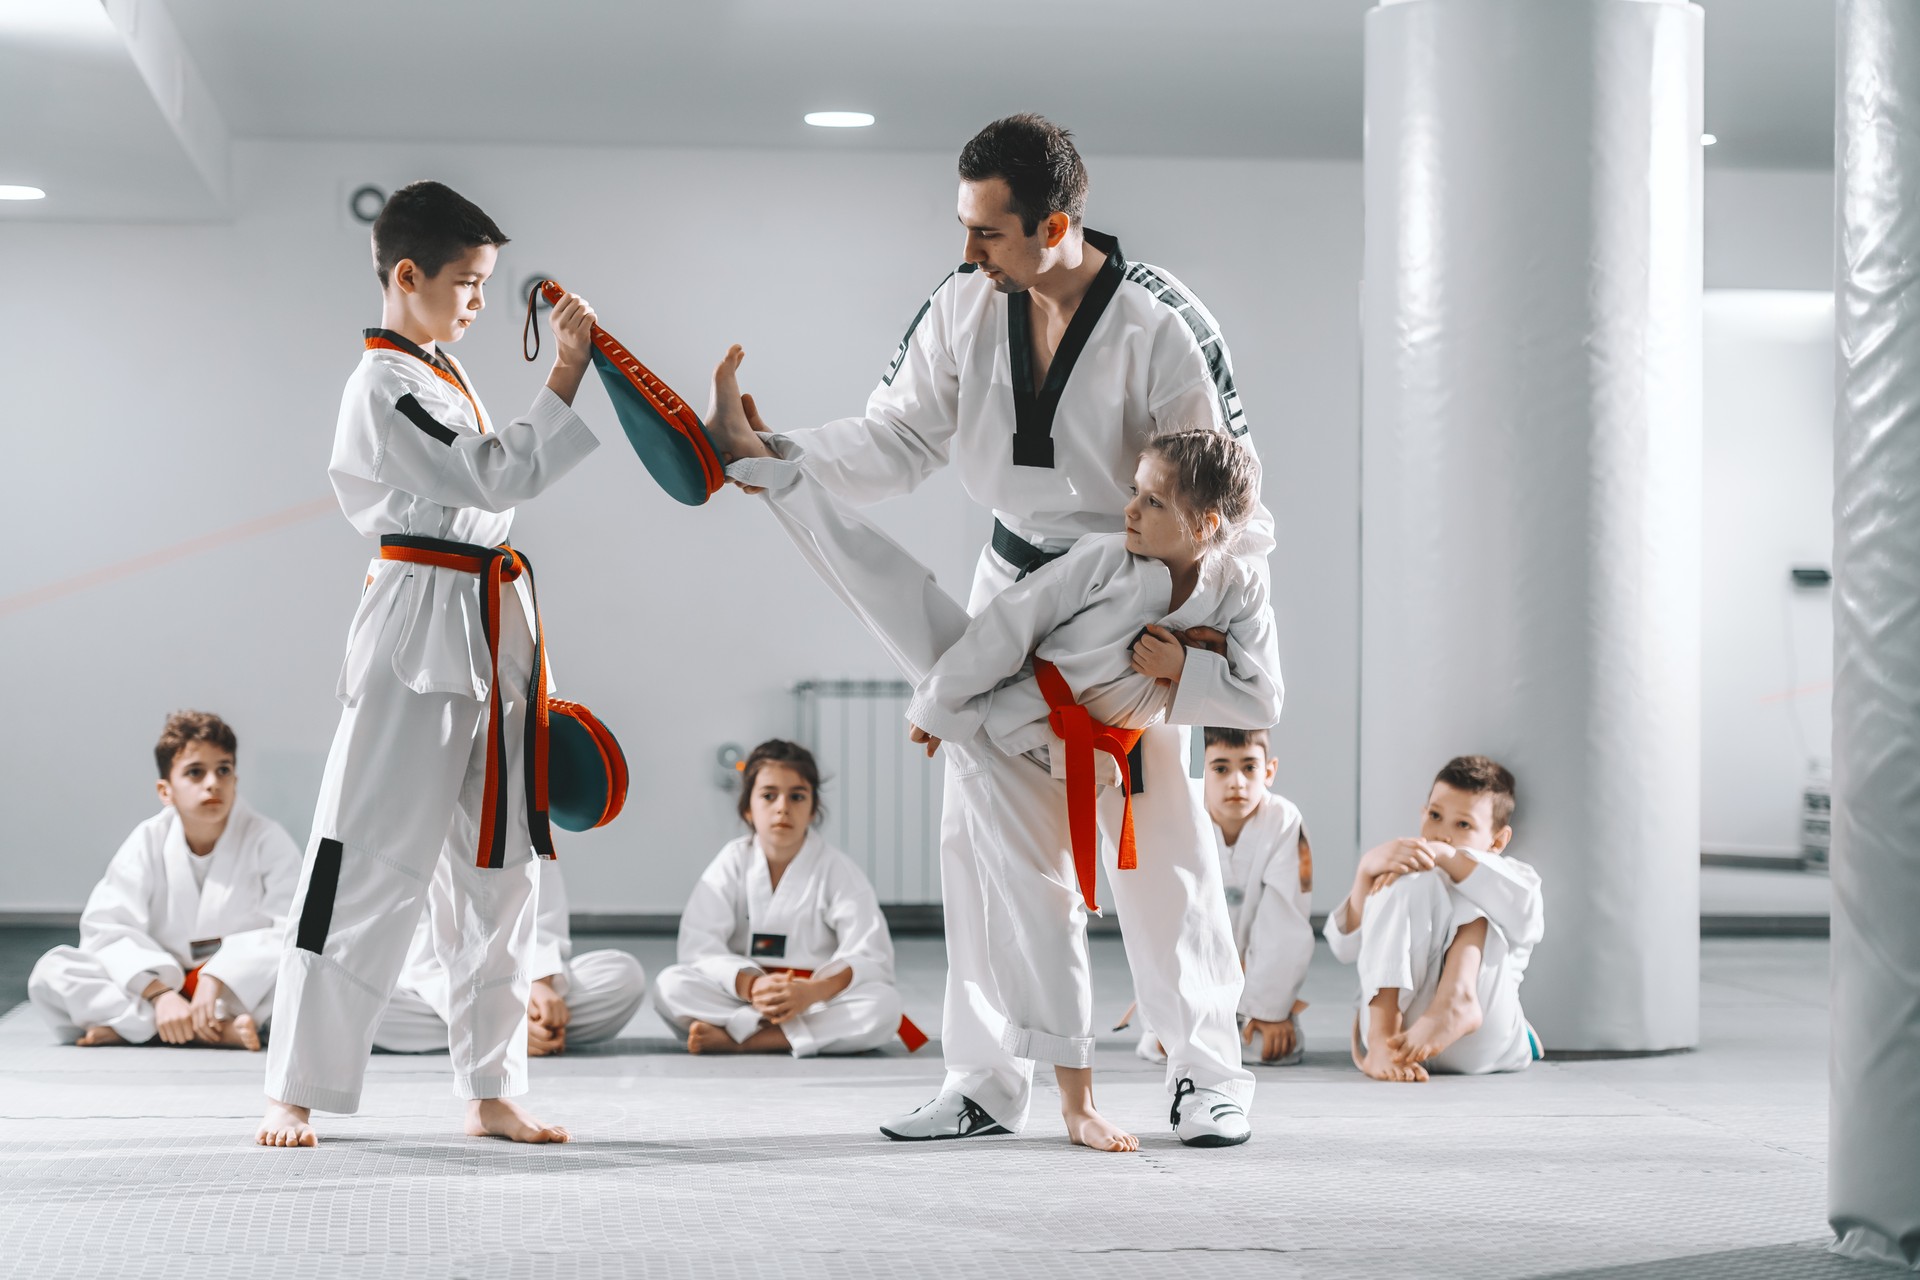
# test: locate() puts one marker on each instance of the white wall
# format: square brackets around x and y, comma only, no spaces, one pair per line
[161,383]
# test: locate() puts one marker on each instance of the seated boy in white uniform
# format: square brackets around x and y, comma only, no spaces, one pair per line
[1441,927]
[1266,866]
[575,999]
[181,937]
[782,945]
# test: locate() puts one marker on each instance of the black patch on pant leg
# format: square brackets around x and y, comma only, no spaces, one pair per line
[316,913]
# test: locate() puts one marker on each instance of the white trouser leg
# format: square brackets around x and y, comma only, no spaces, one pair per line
[684,996]
[410,1025]
[483,942]
[1174,922]
[72,991]
[401,767]
[864,1016]
[604,991]
[1404,932]
[1501,1043]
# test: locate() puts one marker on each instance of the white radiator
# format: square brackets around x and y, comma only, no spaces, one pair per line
[882,794]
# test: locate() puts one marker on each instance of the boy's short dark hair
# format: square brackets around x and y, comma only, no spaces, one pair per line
[1218,737]
[192,726]
[1479,775]
[1037,160]
[430,223]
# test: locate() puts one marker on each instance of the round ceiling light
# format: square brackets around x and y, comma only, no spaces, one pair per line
[839,119]
[21,193]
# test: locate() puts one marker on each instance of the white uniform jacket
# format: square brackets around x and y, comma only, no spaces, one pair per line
[1507,890]
[1141,358]
[1082,613]
[415,453]
[824,916]
[147,915]
[1268,874]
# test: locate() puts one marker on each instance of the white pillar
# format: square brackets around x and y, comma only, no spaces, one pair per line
[1873,1177]
[1530,564]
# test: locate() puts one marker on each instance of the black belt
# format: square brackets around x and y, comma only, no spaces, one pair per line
[1018,552]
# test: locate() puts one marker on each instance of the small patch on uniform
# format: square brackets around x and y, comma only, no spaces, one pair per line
[771,945]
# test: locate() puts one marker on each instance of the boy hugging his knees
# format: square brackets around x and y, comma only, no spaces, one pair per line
[1441,927]
[1266,866]
[180,940]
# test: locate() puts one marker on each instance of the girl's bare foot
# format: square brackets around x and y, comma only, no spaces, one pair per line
[1451,1016]
[504,1118]
[727,423]
[704,1037]
[285,1125]
[239,1032]
[97,1036]
[1089,1128]
[1380,1063]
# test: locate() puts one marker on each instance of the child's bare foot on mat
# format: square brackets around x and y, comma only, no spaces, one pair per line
[97,1036]
[727,421]
[504,1118]
[704,1037]
[1091,1129]
[285,1125]
[239,1032]
[1380,1063]
[1447,1019]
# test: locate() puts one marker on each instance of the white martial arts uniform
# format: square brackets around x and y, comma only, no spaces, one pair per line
[977,692]
[1402,943]
[603,989]
[414,454]
[162,910]
[1268,875]
[1141,358]
[824,916]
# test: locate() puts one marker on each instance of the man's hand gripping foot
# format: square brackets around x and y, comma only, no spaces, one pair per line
[285,1125]
[505,1118]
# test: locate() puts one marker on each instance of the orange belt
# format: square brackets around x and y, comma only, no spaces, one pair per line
[497,566]
[192,981]
[913,1037]
[1083,735]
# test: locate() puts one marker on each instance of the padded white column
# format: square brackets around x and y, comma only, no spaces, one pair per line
[1873,1178]
[1531,470]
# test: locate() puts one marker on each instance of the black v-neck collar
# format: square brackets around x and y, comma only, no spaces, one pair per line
[435,358]
[1033,411]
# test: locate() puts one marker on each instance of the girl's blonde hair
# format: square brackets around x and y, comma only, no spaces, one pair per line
[1212,472]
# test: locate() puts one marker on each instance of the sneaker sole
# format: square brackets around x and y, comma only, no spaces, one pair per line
[987,1132]
[1215,1140]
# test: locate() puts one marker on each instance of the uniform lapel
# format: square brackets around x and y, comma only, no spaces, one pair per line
[177,918]
[223,873]
[1034,410]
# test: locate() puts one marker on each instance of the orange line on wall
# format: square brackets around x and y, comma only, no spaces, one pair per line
[165,555]
[1818,686]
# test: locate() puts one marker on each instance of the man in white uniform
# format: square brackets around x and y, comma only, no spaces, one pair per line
[576,1000]
[1041,367]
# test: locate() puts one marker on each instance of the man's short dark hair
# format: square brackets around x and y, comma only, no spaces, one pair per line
[184,727]
[1218,737]
[432,224]
[1478,775]
[1036,159]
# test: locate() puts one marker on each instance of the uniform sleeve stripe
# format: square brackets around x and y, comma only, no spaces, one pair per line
[425,421]
[906,339]
[1212,342]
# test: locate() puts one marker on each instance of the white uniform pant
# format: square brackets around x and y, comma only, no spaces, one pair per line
[604,991]
[1405,931]
[403,787]
[1003,892]
[72,991]
[864,1016]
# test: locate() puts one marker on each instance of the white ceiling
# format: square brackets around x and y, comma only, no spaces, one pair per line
[1265,78]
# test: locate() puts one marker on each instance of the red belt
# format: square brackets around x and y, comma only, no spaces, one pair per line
[497,566]
[191,982]
[913,1037]
[1083,735]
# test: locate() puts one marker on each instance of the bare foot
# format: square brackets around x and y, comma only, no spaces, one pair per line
[504,1118]
[727,421]
[285,1125]
[704,1037]
[239,1032]
[1091,1129]
[1450,1016]
[97,1036]
[1380,1063]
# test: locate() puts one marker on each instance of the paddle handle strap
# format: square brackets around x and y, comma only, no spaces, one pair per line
[1081,735]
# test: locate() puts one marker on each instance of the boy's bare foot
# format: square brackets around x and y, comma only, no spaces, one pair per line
[504,1118]
[239,1032]
[97,1036]
[727,421]
[285,1125]
[1451,1016]
[1091,1129]
[704,1037]
[1380,1063]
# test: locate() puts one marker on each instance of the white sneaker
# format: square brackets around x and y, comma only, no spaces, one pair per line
[951,1115]
[1207,1117]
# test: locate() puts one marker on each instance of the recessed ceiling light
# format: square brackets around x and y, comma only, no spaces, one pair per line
[839,119]
[21,193]
[1707,139]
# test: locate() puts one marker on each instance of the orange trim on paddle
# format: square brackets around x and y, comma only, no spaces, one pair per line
[480,419]
[1082,736]
[910,1035]
[610,752]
